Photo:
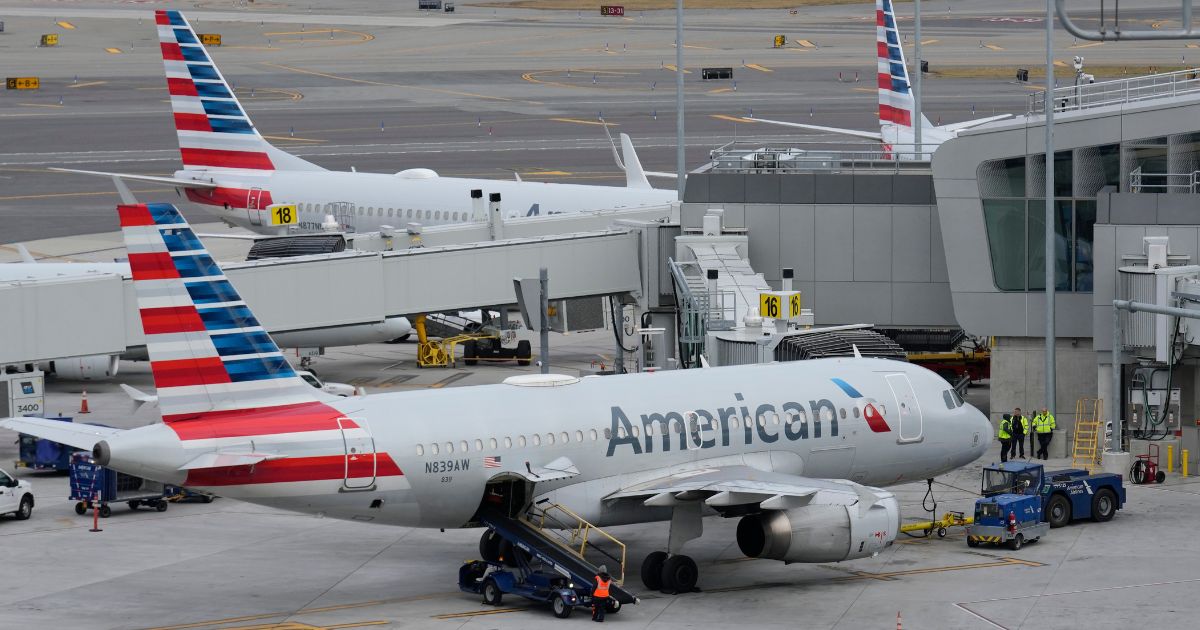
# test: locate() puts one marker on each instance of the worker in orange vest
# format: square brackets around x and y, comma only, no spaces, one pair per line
[600,595]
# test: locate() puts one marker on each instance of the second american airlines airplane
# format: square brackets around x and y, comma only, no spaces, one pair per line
[229,167]
[796,450]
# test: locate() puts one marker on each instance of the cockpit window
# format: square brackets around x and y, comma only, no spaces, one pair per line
[952,399]
[958,401]
[949,399]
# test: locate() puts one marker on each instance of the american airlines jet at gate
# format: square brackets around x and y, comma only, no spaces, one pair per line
[230,167]
[896,103]
[795,450]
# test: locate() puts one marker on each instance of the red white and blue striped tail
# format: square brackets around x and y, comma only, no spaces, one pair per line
[214,131]
[896,102]
[208,353]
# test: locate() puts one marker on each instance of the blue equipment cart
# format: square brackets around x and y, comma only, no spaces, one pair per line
[40,454]
[94,484]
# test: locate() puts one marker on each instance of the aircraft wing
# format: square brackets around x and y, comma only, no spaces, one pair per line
[870,135]
[182,183]
[722,486]
[967,124]
[82,436]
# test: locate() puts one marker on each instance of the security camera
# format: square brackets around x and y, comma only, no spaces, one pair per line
[1078,63]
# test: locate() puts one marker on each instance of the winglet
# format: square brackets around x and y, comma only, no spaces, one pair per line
[635,177]
[857,354]
[26,257]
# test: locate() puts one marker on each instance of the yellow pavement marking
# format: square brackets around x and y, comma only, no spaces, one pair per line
[585,122]
[40,105]
[1033,88]
[1089,45]
[399,85]
[307,611]
[114,51]
[720,90]
[67,25]
[731,118]
[805,43]
[992,47]
[532,77]
[865,89]
[1193,45]
[555,173]
[293,139]
[924,42]
[754,66]
[888,576]
[478,613]
[1060,64]
[671,67]
[75,194]
[88,84]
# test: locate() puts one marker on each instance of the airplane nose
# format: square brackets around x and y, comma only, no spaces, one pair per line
[985,428]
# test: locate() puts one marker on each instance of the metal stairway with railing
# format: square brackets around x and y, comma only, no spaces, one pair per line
[564,542]
[1085,452]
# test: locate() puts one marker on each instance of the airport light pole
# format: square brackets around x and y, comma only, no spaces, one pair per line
[1049,227]
[917,83]
[680,165]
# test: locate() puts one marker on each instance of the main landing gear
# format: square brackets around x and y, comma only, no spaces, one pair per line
[669,574]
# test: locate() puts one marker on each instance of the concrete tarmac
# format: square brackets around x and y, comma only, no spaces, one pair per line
[482,92]
[229,564]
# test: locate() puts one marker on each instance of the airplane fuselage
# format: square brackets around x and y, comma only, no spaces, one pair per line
[424,458]
[366,201]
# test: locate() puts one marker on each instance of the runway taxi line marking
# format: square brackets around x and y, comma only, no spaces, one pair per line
[889,576]
[547,173]
[720,90]
[40,105]
[87,84]
[992,47]
[293,139]
[577,121]
[1090,45]
[74,194]
[865,89]
[806,44]
[478,613]
[731,118]
[67,25]
[399,85]
[924,42]
[754,66]
[671,67]
[113,51]
[307,611]
[1193,45]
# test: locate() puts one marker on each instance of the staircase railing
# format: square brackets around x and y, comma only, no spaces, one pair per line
[1085,452]
[575,534]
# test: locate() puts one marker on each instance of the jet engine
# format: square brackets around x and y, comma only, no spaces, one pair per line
[820,533]
[91,368]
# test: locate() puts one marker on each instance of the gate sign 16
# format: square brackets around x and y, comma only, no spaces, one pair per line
[614,10]
[779,305]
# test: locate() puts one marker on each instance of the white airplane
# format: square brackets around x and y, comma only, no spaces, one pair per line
[896,104]
[795,450]
[230,167]
[103,366]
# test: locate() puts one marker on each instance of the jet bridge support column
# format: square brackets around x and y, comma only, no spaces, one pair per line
[495,218]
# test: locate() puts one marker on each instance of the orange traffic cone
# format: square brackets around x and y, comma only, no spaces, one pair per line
[83,406]
[899,626]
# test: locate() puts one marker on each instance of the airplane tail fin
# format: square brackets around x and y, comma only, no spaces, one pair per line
[208,353]
[214,131]
[635,177]
[896,102]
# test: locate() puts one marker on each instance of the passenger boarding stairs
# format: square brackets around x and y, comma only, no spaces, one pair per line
[564,542]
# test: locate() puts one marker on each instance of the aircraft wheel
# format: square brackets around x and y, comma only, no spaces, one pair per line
[652,570]
[1104,505]
[562,609]
[679,575]
[1058,511]
[491,593]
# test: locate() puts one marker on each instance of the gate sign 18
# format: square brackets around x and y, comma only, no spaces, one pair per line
[614,10]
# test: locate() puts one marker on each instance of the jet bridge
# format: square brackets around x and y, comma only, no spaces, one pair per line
[96,314]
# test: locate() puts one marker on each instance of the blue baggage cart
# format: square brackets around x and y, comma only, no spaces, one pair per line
[92,484]
[39,454]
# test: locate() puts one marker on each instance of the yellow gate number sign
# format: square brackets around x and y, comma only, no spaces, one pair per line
[22,83]
[780,40]
[210,39]
[779,305]
[284,215]
[50,39]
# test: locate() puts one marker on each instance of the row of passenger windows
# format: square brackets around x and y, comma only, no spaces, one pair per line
[565,437]
[402,213]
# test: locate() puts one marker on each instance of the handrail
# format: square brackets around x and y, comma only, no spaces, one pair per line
[743,156]
[1118,91]
[1137,182]
[580,531]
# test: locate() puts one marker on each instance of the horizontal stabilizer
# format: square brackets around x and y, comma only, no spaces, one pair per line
[967,124]
[661,174]
[223,459]
[81,436]
[870,135]
[139,397]
[172,181]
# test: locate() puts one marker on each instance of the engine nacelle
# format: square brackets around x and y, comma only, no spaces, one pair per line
[91,368]
[820,533]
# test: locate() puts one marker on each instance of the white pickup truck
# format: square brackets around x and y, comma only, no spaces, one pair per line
[16,496]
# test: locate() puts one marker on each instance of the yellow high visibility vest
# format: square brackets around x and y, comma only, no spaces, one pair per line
[1005,431]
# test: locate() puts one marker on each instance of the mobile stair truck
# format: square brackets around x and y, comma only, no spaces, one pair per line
[540,556]
[1021,502]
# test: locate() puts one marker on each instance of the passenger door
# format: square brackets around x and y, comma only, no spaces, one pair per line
[253,211]
[907,407]
[360,455]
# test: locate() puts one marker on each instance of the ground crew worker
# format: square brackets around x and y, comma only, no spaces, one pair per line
[1043,425]
[600,595]
[1004,434]
[1020,427]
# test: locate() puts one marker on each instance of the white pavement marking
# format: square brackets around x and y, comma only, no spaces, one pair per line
[272,18]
